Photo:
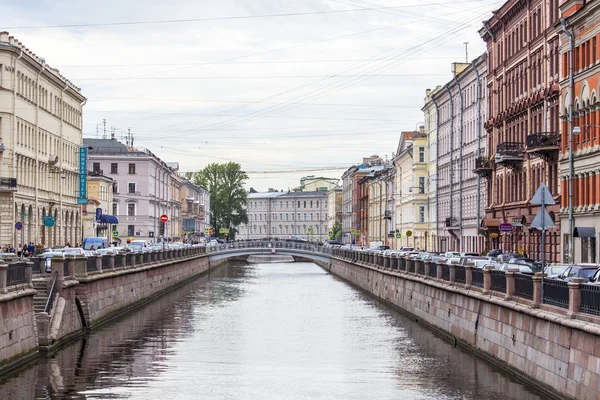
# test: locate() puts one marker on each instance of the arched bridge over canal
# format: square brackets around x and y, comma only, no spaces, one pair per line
[313,252]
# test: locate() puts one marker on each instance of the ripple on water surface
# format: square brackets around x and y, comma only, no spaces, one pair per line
[263,331]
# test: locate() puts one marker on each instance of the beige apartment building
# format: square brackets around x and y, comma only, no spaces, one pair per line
[40,140]
[334,207]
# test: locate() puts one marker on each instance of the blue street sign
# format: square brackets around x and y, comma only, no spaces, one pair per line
[98,214]
[48,221]
[82,200]
[83,172]
[19,225]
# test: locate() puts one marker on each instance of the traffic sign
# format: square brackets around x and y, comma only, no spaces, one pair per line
[115,233]
[206,230]
[542,196]
[309,230]
[164,218]
[408,233]
[330,233]
[398,236]
[48,221]
[25,215]
[506,227]
[19,225]
[542,220]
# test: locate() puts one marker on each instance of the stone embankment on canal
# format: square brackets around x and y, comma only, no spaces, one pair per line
[555,349]
[41,311]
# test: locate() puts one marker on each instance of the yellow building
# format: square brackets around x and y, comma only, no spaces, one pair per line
[100,196]
[380,189]
[334,207]
[410,164]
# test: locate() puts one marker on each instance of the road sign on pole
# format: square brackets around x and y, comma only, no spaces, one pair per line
[19,225]
[543,221]
[164,218]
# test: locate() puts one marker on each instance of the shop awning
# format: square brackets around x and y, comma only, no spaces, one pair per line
[584,231]
[108,219]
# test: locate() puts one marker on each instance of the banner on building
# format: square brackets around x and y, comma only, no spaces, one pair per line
[82,172]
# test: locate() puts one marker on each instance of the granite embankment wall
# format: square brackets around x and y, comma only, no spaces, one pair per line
[18,336]
[87,293]
[544,346]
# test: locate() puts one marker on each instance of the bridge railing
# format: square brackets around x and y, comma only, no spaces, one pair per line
[576,298]
[270,244]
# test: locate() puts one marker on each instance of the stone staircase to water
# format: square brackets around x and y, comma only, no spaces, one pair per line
[41,297]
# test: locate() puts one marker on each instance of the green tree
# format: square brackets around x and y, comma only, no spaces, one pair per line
[225,183]
[337,231]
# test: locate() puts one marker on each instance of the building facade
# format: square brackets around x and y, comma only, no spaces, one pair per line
[334,207]
[313,183]
[100,196]
[430,126]
[195,212]
[279,215]
[40,138]
[582,24]
[351,198]
[522,123]
[142,190]
[379,213]
[411,165]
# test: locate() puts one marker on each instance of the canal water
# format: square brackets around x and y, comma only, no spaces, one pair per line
[262,331]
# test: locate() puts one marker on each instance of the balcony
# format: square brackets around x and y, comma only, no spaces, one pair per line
[8,184]
[544,145]
[451,223]
[509,154]
[483,167]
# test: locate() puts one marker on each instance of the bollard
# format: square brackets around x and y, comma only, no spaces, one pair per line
[468,276]
[3,276]
[487,279]
[510,283]
[111,261]
[438,273]
[80,267]
[386,261]
[452,273]
[537,290]
[575,296]
[133,260]
[99,263]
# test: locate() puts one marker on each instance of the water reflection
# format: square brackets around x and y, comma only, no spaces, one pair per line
[263,331]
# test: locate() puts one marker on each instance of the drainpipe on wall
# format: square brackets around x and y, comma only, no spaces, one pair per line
[14,138]
[37,148]
[478,142]
[571,95]
[460,171]
[451,152]
[437,147]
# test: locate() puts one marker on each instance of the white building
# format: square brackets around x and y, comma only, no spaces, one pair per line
[40,138]
[142,190]
[279,215]
[461,113]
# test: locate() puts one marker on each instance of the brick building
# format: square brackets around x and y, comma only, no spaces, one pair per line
[523,116]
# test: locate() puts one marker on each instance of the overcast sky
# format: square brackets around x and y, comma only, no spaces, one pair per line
[279,86]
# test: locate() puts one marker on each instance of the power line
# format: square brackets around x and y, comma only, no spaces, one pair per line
[188,20]
[256,77]
[232,63]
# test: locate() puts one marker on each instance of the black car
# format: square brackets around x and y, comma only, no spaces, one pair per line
[494,253]
[578,271]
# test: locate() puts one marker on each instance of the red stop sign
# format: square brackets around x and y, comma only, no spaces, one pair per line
[164,218]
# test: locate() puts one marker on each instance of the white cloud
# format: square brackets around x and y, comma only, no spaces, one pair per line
[171,110]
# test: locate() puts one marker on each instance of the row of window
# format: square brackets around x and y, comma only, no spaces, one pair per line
[46,143]
[114,168]
[585,55]
[301,204]
[48,180]
[300,230]
[259,217]
[37,94]
[513,187]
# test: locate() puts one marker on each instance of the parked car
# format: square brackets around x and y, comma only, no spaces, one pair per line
[452,254]
[595,279]
[110,250]
[466,259]
[470,255]
[212,243]
[95,242]
[139,246]
[74,251]
[295,238]
[495,252]
[47,257]
[524,269]
[554,271]
[578,271]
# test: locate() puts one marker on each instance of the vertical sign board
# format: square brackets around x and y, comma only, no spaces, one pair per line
[82,172]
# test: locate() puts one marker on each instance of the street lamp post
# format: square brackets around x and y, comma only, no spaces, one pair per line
[571,131]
